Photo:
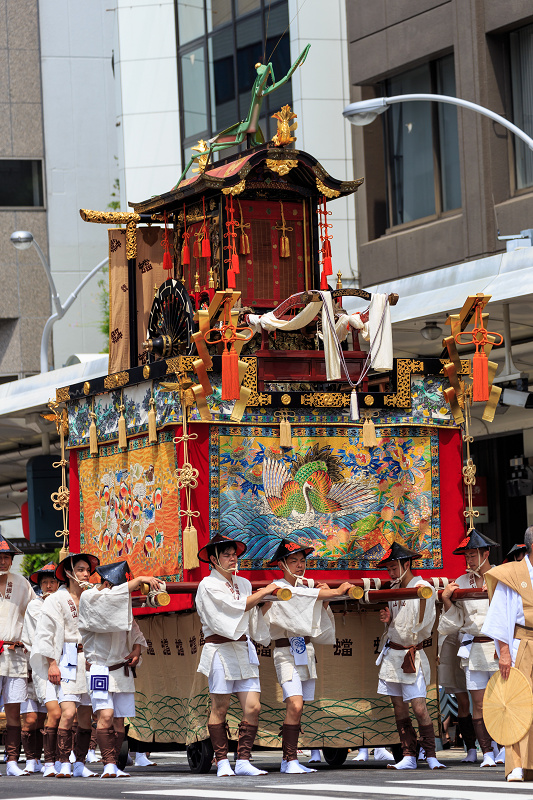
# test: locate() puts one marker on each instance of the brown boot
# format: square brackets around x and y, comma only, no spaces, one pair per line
[247,734]
[407,736]
[482,735]
[468,734]
[81,743]
[64,744]
[28,744]
[427,740]
[50,744]
[106,742]
[290,735]
[12,740]
[218,734]
[119,738]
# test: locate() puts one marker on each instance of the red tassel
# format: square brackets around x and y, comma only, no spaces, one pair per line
[206,248]
[185,254]
[230,279]
[328,268]
[167,261]
[323,282]
[326,248]
[235,263]
[480,378]
[230,374]
[196,249]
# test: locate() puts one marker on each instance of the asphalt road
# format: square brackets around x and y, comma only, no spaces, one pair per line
[172,778]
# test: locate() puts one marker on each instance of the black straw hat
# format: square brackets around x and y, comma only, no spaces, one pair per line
[71,559]
[288,548]
[216,544]
[474,541]
[116,573]
[48,569]
[7,547]
[397,552]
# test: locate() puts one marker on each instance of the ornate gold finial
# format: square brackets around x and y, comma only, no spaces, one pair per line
[211,284]
[201,160]
[283,135]
[197,281]
[339,281]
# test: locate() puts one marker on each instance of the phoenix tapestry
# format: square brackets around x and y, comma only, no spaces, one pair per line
[350,501]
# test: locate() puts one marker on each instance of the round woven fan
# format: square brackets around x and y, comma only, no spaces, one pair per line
[170,325]
[508,707]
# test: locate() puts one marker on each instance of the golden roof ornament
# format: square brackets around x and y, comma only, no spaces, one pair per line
[201,160]
[283,135]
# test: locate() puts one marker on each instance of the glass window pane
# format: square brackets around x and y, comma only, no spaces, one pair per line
[224,111]
[522,84]
[218,13]
[411,149]
[194,92]
[246,6]
[250,51]
[191,21]
[448,137]
[21,183]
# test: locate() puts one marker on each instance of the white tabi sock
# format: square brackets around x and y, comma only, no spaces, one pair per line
[500,758]
[49,770]
[92,758]
[295,768]
[516,775]
[362,755]
[433,763]
[65,770]
[79,770]
[315,757]
[14,771]
[224,769]
[488,760]
[109,771]
[243,767]
[407,762]
[120,774]
[471,757]
[32,765]
[142,761]
[382,754]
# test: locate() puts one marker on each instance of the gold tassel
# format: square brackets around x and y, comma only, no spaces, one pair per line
[369,433]
[93,435]
[284,247]
[190,547]
[285,433]
[122,437]
[152,427]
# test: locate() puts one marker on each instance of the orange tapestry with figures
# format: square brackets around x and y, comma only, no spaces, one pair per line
[129,507]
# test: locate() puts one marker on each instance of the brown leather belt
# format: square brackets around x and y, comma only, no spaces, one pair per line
[408,664]
[216,639]
[481,639]
[126,667]
[287,642]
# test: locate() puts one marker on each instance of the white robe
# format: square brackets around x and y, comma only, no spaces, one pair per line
[57,626]
[406,629]
[109,632]
[221,606]
[36,687]
[466,617]
[506,610]
[13,604]
[303,615]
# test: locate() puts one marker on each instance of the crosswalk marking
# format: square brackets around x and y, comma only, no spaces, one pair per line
[293,791]
[481,784]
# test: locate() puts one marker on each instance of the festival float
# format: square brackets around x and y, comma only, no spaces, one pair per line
[246,396]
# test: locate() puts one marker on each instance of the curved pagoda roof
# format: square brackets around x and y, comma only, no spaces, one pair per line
[269,169]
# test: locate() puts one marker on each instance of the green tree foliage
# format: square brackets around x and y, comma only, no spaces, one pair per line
[34,561]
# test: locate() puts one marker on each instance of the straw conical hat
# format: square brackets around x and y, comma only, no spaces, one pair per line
[508,707]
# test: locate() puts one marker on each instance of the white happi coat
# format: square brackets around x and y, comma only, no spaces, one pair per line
[36,687]
[406,629]
[506,611]
[467,617]
[109,632]
[303,615]
[13,604]
[221,606]
[57,626]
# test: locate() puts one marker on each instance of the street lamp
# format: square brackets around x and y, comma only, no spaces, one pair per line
[23,240]
[365,111]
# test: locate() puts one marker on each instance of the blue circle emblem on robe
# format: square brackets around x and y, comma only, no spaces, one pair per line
[298,644]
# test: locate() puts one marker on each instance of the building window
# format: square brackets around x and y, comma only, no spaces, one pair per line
[422,145]
[219,43]
[21,183]
[521,42]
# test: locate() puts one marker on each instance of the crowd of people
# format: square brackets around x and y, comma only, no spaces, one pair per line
[68,657]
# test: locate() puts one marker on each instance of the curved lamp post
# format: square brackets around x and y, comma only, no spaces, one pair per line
[365,111]
[23,240]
